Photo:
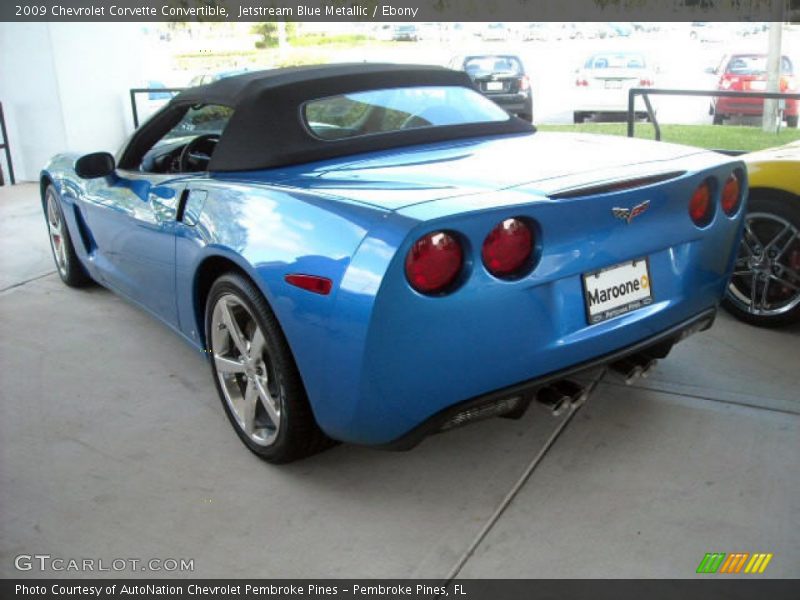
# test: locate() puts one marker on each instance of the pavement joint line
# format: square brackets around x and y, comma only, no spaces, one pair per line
[515,489]
[27,281]
[784,411]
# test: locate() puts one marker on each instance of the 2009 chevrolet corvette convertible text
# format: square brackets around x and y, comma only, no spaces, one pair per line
[372,253]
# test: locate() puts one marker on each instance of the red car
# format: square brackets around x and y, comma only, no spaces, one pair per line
[748,73]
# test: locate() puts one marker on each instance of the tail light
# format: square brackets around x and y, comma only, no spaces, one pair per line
[524,83]
[788,84]
[701,207]
[508,248]
[645,82]
[434,262]
[731,195]
[581,83]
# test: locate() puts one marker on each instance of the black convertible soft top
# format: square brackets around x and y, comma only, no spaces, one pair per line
[267,128]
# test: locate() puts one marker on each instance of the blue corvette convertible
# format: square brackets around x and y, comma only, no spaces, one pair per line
[373,253]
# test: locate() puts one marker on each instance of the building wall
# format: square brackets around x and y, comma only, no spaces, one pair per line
[64,87]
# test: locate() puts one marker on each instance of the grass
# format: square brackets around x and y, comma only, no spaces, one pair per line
[311,49]
[321,39]
[715,137]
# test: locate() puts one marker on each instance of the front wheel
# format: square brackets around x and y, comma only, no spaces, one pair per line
[765,286]
[791,121]
[67,262]
[255,374]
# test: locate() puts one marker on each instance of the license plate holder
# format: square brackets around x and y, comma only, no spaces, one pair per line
[617,290]
[494,86]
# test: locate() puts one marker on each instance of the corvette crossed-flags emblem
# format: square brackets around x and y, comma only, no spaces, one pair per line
[629,214]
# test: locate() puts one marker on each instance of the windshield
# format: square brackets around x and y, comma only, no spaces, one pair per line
[390,110]
[755,64]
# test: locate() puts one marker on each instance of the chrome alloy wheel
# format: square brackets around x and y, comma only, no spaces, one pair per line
[766,277]
[245,370]
[55,226]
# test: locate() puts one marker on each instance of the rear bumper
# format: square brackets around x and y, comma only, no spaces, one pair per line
[513,103]
[435,424]
[749,107]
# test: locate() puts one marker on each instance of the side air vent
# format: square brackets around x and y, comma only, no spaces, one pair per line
[86,237]
[616,186]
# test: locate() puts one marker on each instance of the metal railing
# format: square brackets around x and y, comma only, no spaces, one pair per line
[4,145]
[135,91]
[645,93]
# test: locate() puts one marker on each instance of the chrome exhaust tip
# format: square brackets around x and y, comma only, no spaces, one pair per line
[634,367]
[561,395]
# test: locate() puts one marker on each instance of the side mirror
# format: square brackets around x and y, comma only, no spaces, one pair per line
[94,165]
[711,70]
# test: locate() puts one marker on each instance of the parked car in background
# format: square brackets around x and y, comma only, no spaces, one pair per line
[765,287]
[621,29]
[538,32]
[405,33]
[376,253]
[747,72]
[500,77]
[590,30]
[603,82]
[496,32]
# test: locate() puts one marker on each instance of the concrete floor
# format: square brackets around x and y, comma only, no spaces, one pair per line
[113,444]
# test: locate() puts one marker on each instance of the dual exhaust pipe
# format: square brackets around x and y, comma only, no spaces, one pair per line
[634,367]
[561,395]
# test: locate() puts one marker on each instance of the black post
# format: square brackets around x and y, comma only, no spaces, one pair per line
[6,147]
[631,116]
[133,110]
[651,113]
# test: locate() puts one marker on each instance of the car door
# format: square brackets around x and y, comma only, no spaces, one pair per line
[132,214]
[132,222]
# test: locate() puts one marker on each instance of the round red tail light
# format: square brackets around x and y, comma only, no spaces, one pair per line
[434,262]
[508,248]
[701,208]
[731,195]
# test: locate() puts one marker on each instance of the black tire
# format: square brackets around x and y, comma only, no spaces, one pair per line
[578,118]
[787,207]
[791,121]
[526,117]
[718,119]
[298,435]
[68,265]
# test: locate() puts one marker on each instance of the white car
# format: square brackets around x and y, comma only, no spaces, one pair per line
[496,32]
[602,84]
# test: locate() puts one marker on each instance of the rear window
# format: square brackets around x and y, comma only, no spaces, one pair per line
[385,111]
[483,66]
[755,64]
[616,61]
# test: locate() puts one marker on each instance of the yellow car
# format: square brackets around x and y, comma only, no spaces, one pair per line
[765,287]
